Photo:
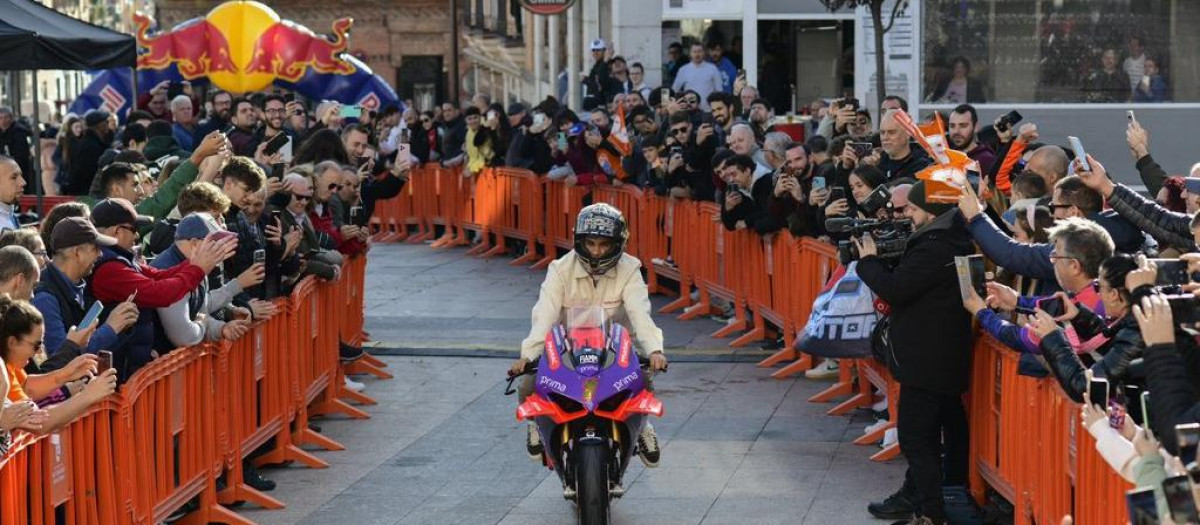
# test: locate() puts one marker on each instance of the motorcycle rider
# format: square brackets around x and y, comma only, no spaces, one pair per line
[596,272]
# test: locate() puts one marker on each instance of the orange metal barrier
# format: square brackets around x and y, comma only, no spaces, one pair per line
[1028,445]
[72,468]
[562,205]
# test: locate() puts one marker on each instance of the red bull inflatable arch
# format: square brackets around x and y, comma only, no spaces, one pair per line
[243,46]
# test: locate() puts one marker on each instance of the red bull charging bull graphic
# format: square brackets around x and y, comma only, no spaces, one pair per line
[244,46]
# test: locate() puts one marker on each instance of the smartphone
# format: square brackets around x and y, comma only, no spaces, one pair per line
[562,141]
[1187,436]
[861,149]
[362,161]
[539,119]
[351,111]
[1178,490]
[836,194]
[405,136]
[492,114]
[104,361]
[1053,306]
[277,170]
[1171,271]
[93,314]
[228,129]
[1141,506]
[1129,115]
[1098,391]
[1080,154]
[355,214]
[404,151]
[664,96]
[1025,311]
[1008,120]
[1145,400]
[288,98]
[818,183]
[277,216]
[260,256]
[275,143]
[741,73]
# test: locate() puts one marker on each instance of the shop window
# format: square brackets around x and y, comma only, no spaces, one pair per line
[1060,51]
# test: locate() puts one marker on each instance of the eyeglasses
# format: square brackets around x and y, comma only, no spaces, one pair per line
[42,253]
[1055,256]
[37,345]
[678,131]
[127,227]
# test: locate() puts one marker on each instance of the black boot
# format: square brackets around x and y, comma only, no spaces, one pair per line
[898,506]
[349,353]
[255,480]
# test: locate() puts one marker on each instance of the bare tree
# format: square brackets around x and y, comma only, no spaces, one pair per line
[876,8]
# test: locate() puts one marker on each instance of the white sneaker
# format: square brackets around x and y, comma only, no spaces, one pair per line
[874,426]
[889,438]
[648,446]
[828,369]
[881,405]
[353,385]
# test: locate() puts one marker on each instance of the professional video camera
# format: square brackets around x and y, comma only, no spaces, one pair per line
[891,236]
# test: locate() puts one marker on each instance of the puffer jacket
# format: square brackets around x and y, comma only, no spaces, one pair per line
[1169,228]
[1118,354]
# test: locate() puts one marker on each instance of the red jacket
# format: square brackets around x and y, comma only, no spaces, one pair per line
[324,223]
[112,282]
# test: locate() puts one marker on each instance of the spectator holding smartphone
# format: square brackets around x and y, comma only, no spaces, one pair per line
[60,298]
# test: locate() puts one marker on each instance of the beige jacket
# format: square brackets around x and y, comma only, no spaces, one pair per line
[621,291]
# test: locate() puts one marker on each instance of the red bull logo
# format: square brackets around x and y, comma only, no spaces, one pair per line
[244,46]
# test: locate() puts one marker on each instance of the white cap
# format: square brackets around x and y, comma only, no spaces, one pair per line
[599,44]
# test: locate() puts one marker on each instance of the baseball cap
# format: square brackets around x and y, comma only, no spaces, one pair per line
[599,44]
[114,212]
[515,108]
[1192,184]
[196,226]
[76,231]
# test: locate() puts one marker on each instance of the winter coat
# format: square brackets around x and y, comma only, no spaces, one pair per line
[1169,228]
[930,332]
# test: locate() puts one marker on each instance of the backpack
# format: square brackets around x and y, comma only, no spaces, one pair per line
[843,319]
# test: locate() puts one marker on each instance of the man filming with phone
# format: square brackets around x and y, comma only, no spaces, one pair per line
[60,297]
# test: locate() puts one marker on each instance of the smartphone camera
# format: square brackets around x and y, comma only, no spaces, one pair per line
[260,256]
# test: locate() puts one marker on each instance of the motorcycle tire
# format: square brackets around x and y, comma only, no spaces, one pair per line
[591,486]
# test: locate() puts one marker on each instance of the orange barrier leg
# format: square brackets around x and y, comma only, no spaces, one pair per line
[337,406]
[757,333]
[363,366]
[530,256]
[290,453]
[701,308]
[738,324]
[237,490]
[862,399]
[843,387]
[212,512]
[888,453]
[786,354]
[356,397]
[874,436]
[802,365]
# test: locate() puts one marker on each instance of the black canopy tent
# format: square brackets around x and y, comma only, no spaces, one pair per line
[35,37]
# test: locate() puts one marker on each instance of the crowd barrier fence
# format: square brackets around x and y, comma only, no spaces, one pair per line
[192,417]
[1026,441]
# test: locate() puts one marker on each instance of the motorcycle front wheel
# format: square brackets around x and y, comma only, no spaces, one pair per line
[591,485]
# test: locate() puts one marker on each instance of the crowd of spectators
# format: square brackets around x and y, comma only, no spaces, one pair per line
[186,225]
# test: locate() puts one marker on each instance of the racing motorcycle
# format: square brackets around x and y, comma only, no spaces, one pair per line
[589,404]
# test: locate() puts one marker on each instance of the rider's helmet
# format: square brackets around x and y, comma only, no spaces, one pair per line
[600,220]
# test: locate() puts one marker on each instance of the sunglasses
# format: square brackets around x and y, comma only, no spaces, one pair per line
[301,197]
[335,187]
[678,131]
[37,346]
[1057,206]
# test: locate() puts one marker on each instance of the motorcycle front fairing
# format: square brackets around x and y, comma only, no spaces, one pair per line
[573,400]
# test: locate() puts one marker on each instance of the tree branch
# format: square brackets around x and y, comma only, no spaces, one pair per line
[900,4]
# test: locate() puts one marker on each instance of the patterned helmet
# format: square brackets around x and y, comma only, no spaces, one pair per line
[600,220]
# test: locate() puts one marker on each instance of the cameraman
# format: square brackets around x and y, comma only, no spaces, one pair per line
[933,365]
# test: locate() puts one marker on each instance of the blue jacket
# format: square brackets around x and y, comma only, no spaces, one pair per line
[728,73]
[61,303]
[1032,260]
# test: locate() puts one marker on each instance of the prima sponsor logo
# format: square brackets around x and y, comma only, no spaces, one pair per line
[624,382]
[552,384]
